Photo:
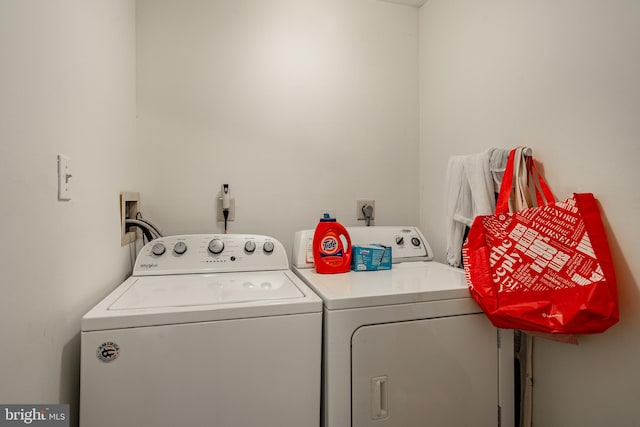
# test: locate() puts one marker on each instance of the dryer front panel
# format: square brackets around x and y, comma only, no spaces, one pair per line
[431,372]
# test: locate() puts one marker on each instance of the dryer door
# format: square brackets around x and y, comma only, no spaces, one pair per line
[431,372]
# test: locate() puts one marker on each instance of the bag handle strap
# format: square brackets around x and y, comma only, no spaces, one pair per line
[533,180]
[544,195]
[502,204]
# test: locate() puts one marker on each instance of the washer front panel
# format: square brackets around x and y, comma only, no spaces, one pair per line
[225,373]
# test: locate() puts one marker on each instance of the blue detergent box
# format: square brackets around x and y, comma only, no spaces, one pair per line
[370,257]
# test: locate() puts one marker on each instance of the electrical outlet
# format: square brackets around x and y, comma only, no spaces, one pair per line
[362,203]
[129,207]
[232,210]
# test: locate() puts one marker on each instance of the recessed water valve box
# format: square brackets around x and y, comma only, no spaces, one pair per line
[129,208]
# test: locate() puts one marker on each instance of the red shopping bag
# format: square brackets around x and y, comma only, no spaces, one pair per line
[546,268]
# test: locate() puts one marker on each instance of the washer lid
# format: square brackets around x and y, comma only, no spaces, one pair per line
[408,282]
[205,289]
[164,300]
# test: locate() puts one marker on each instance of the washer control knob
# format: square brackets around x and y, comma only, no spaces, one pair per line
[158,249]
[250,246]
[180,248]
[268,247]
[415,242]
[399,240]
[216,246]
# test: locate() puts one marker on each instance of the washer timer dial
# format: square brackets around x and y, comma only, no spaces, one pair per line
[216,246]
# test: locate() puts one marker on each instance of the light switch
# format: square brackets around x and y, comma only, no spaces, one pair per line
[64,177]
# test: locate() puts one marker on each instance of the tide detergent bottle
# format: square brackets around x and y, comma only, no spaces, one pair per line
[331,246]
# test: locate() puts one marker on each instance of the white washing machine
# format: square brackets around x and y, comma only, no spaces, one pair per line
[210,330]
[408,346]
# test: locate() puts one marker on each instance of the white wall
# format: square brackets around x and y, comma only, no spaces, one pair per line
[67,86]
[299,105]
[561,77]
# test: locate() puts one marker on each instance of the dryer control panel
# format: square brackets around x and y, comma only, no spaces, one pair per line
[407,243]
[210,253]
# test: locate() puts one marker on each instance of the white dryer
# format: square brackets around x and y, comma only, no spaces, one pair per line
[209,330]
[408,346]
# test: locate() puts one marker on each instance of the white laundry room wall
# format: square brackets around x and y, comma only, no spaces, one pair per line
[67,86]
[561,77]
[299,105]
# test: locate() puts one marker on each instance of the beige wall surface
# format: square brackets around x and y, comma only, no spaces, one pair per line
[562,78]
[299,105]
[67,86]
